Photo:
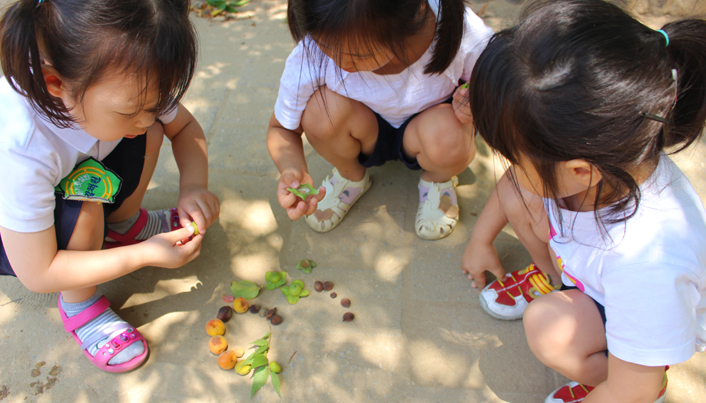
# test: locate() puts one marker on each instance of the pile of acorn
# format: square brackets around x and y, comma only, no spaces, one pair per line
[345,302]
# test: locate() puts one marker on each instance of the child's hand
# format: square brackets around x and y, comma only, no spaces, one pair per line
[198,205]
[169,250]
[478,258]
[461,105]
[295,206]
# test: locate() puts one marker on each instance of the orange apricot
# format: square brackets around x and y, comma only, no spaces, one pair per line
[227,360]
[241,305]
[215,327]
[217,344]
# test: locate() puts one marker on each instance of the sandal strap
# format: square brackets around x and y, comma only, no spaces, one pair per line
[103,333]
[88,314]
[128,238]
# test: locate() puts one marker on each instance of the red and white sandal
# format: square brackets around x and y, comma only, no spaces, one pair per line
[128,238]
[128,336]
[574,392]
[507,298]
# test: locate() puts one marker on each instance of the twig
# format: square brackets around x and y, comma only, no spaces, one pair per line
[9,302]
[290,358]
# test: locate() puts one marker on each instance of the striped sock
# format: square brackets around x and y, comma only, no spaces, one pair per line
[102,321]
[157,223]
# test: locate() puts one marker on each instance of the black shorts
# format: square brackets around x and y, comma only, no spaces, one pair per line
[127,160]
[389,144]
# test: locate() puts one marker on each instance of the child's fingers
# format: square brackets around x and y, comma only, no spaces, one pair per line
[177,235]
[295,212]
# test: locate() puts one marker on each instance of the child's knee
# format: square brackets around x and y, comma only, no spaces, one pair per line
[549,330]
[445,141]
[324,113]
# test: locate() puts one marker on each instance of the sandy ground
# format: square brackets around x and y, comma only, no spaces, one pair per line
[419,335]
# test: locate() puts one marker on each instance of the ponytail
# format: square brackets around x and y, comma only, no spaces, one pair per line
[449,34]
[687,50]
[19,40]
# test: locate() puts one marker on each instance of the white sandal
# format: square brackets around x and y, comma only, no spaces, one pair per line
[438,214]
[341,194]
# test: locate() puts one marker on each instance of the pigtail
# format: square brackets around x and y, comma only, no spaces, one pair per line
[22,61]
[687,49]
[449,33]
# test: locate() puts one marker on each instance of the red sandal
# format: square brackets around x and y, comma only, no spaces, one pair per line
[128,238]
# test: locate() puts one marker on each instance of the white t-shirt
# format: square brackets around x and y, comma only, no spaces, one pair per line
[649,272]
[34,156]
[395,97]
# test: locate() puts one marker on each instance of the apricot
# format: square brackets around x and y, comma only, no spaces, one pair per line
[215,327]
[241,368]
[239,352]
[241,305]
[274,367]
[227,360]
[217,344]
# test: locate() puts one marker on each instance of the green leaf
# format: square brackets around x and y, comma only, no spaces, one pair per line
[306,265]
[231,9]
[292,299]
[275,382]
[304,293]
[239,3]
[275,279]
[259,360]
[259,379]
[245,289]
[304,190]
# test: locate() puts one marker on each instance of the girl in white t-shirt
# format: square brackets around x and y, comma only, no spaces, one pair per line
[584,101]
[371,81]
[91,88]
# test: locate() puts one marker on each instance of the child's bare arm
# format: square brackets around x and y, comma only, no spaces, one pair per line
[196,203]
[41,268]
[628,382]
[287,152]
[480,255]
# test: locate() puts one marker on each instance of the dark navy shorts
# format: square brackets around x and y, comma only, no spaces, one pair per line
[389,144]
[127,160]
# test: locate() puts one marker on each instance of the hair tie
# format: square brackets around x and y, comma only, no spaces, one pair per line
[661,31]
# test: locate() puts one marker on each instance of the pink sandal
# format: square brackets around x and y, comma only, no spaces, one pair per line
[110,349]
[128,238]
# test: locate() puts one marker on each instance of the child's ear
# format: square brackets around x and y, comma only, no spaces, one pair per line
[55,83]
[583,172]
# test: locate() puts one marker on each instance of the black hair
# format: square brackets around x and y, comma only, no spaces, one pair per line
[85,39]
[373,24]
[582,79]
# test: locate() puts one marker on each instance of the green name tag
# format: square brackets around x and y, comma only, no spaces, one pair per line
[90,181]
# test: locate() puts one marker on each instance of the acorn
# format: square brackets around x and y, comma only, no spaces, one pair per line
[345,302]
[318,286]
[225,313]
[328,286]
[348,316]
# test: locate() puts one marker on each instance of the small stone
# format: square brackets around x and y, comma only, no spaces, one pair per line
[318,286]
[254,308]
[272,312]
[276,320]
[334,295]
[348,316]
[262,312]
[345,302]
[328,286]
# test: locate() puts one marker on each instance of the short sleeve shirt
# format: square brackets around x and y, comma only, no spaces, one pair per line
[649,272]
[395,97]
[34,156]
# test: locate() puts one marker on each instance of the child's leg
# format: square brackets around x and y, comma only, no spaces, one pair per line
[443,147]
[565,331]
[88,235]
[340,129]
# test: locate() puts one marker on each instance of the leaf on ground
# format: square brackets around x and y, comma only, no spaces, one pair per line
[246,289]
[306,265]
[259,379]
[292,299]
[275,382]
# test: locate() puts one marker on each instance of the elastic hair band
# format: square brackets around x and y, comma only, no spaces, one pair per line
[661,31]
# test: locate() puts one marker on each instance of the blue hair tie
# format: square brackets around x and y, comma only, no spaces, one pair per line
[661,31]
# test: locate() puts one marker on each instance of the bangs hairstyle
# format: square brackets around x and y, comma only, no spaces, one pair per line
[582,79]
[373,25]
[86,39]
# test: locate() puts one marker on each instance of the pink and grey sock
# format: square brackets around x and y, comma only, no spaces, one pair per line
[157,223]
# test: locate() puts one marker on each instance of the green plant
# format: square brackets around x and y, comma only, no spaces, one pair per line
[294,291]
[223,5]
[260,364]
[275,279]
